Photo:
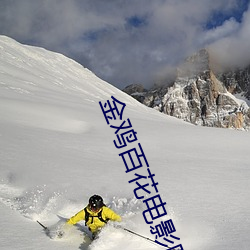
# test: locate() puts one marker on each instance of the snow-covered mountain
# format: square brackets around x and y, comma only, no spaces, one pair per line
[201,95]
[57,149]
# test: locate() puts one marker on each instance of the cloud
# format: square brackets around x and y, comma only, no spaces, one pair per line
[126,42]
[228,28]
[233,49]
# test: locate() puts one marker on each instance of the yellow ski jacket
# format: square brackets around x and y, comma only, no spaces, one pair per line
[94,223]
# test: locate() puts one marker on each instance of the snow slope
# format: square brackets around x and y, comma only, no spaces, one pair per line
[57,150]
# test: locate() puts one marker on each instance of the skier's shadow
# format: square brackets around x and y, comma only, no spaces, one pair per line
[87,237]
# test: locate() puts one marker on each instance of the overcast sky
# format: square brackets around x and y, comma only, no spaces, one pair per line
[131,41]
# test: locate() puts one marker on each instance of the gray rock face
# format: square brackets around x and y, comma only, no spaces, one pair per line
[200,97]
[237,81]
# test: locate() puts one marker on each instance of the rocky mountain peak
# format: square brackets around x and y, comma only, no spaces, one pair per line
[202,97]
[196,64]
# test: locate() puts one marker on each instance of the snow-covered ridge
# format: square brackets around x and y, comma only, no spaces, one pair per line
[33,74]
[35,67]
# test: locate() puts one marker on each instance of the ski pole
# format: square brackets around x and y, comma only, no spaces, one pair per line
[138,234]
[146,238]
[41,225]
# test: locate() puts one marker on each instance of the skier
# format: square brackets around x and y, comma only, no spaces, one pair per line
[95,214]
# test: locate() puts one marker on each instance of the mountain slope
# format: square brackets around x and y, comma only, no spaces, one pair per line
[57,150]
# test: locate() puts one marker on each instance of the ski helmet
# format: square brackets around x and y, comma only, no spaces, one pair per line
[95,202]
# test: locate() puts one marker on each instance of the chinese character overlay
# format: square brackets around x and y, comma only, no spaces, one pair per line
[132,159]
[110,111]
[135,160]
